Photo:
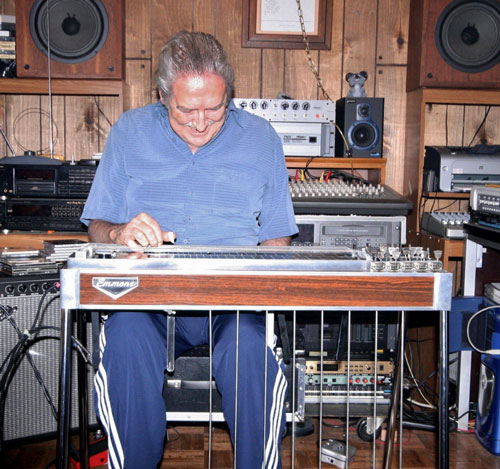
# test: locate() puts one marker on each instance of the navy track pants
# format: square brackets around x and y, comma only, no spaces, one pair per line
[129,384]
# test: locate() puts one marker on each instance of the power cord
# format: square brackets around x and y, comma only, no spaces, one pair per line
[489,351]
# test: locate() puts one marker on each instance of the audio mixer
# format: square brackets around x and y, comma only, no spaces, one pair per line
[339,197]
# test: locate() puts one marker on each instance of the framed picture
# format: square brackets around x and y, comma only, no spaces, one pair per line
[276,24]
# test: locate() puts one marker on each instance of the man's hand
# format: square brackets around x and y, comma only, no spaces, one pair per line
[285,241]
[141,231]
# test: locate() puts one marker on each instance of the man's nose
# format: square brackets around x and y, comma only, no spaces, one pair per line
[200,121]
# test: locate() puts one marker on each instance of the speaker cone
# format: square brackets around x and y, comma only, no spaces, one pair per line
[363,135]
[467,35]
[78,28]
[486,390]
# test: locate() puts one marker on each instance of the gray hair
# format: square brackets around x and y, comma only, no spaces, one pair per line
[192,53]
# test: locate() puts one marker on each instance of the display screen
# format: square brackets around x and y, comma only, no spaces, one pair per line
[30,174]
[24,210]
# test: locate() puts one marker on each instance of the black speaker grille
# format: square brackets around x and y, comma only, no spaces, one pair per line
[27,412]
[467,35]
[363,135]
[78,28]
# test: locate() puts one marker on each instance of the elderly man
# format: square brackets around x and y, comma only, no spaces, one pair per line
[194,168]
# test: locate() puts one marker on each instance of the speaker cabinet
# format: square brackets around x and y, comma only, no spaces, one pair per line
[454,44]
[27,412]
[488,413]
[85,38]
[361,121]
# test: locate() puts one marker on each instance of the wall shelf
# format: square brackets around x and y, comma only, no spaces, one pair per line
[299,162]
[61,86]
[446,195]
[31,240]
[416,102]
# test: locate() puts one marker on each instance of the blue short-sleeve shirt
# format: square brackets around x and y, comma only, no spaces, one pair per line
[232,191]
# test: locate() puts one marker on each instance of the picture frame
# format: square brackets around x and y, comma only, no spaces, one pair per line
[271,24]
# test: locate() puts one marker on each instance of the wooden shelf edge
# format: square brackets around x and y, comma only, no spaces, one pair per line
[29,240]
[446,195]
[459,96]
[61,86]
[341,163]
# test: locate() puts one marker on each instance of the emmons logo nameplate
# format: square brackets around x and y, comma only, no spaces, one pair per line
[115,287]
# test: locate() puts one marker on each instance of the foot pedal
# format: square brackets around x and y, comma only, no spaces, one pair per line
[334,452]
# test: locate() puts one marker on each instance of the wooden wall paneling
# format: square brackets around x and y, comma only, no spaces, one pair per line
[168,18]
[360,32]
[138,29]
[391,85]
[414,133]
[492,126]
[58,126]
[452,133]
[392,31]
[330,66]
[23,122]
[273,72]
[8,7]
[473,117]
[139,88]
[4,149]
[205,13]
[300,82]
[107,114]
[245,61]
[435,124]
[81,127]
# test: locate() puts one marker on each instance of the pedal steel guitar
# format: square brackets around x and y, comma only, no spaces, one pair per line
[266,279]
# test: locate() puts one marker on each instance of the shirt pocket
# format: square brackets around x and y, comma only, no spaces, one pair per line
[238,192]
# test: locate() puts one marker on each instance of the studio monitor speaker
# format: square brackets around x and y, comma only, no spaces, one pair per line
[85,38]
[361,121]
[454,44]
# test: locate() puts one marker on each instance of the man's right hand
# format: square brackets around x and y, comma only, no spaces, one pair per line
[141,231]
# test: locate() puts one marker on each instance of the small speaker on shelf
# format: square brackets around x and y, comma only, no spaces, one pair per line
[454,44]
[83,37]
[361,121]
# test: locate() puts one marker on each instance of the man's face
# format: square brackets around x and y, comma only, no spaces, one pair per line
[197,108]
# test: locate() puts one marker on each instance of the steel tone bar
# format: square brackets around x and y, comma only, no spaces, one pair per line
[64,401]
[444,451]
[83,401]
[391,425]
[375,358]
[210,392]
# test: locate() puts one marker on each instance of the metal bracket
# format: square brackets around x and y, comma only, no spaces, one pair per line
[170,340]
